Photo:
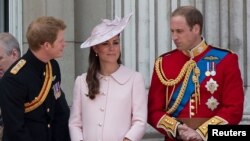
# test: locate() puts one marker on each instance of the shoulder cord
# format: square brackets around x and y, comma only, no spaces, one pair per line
[185,71]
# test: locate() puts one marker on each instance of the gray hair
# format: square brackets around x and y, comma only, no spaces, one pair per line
[9,42]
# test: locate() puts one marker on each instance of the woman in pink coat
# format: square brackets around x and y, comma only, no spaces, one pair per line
[109,101]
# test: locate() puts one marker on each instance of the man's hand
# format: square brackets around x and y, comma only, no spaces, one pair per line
[188,134]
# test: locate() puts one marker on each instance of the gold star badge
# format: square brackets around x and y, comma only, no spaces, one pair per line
[212,103]
[211,85]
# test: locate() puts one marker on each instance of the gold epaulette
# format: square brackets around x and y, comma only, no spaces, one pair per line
[169,124]
[203,129]
[18,66]
[224,49]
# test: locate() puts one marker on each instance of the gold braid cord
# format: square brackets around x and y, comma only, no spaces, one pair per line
[185,72]
[195,79]
[162,77]
[30,106]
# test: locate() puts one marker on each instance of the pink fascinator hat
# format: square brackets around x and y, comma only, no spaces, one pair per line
[106,30]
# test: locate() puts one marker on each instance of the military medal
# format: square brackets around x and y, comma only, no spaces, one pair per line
[207,73]
[58,94]
[211,85]
[57,90]
[211,65]
[213,72]
[212,103]
[54,78]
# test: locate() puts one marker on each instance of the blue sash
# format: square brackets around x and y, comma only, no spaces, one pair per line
[202,64]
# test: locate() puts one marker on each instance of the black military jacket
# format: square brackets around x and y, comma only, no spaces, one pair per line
[49,121]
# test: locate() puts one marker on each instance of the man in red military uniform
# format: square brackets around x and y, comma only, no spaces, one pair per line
[194,85]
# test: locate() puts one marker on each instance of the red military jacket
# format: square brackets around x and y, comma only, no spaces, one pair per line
[221,95]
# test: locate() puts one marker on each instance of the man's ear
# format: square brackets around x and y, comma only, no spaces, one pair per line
[196,28]
[15,53]
[46,45]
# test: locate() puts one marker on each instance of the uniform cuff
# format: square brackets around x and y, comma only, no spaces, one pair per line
[168,124]
[203,129]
